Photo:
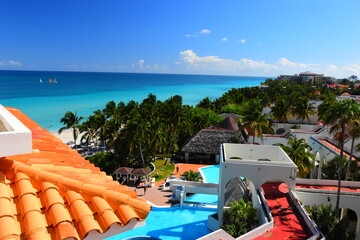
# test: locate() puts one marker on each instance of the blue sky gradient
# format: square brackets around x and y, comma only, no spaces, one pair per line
[233,37]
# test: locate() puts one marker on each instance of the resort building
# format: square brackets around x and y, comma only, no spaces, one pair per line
[307,77]
[204,146]
[279,197]
[346,95]
[48,191]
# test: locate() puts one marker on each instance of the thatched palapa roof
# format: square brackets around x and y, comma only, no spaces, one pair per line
[208,141]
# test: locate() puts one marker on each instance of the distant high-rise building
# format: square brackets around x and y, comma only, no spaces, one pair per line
[353,78]
[307,77]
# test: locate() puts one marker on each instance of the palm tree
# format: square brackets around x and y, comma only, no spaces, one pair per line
[89,129]
[71,120]
[299,152]
[281,111]
[354,133]
[137,135]
[174,116]
[192,176]
[340,115]
[330,225]
[303,109]
[256,120]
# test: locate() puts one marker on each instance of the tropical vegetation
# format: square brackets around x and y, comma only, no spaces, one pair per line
[192,176]
[240,218]
[300,152]
[137,132]
[343,117]
[71,121]
[329,223]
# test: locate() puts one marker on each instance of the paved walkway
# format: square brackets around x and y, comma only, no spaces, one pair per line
[161,198]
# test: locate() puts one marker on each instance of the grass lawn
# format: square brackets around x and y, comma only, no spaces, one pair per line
[162,171]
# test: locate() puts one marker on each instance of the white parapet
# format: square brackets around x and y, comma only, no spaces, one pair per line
[15,138]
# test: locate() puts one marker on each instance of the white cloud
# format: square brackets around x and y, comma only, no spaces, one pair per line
[10,62]
[243,66]
[224,39]
[205,31]
[353,68]
[197,34]
[15,63]
[287,63]
[242,41]
[141,63]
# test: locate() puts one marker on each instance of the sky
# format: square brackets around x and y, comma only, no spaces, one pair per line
[227,37]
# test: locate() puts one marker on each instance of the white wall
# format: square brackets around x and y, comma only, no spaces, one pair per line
[17,139]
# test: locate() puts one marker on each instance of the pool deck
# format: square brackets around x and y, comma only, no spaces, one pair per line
[161,198]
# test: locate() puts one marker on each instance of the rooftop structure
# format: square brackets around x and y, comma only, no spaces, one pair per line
[270,174]
[345,96]
[205,144]
[48,191]
[307,77]
[15,138]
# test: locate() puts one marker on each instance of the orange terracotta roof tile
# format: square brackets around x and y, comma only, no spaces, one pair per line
[54,193]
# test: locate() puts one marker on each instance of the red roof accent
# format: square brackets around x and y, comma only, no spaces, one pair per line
[54,193]
[335,148]
[286,223]
[331,188]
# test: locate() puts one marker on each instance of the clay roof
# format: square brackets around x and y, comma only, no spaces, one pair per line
[54,193]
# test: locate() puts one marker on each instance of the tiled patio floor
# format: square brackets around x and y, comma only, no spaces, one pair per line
[161,198]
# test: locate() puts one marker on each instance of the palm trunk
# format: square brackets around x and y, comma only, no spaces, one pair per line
[142,156]
[254,138]
[350,159]
[74,135]
[340,167]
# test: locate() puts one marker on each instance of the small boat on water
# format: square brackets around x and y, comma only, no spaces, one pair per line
[40,80]
[52,80]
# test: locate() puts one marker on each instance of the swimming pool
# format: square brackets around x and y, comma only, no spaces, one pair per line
[210,175]
[172,224]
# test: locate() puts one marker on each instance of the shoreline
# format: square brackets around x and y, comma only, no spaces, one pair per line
[66,136]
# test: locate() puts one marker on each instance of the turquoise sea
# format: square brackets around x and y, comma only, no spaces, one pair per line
[84,92]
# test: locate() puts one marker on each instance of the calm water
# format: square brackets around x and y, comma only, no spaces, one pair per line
[179,224]
[173,223]
[84,92]
[211,175]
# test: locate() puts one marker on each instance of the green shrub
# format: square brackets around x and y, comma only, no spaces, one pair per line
[240,218]
[329,223]
[105,161]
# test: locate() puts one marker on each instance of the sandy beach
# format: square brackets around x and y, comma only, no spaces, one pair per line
[66,136]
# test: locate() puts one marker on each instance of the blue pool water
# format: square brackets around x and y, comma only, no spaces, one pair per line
[172,223]
[210,175]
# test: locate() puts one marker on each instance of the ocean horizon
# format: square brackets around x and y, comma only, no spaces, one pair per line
[85,92]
